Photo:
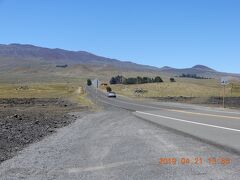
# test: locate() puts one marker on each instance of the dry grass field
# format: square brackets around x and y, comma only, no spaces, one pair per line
[182,87]
[69,91]
[31,111]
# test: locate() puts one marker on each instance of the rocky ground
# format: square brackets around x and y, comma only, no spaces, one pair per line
[23,121]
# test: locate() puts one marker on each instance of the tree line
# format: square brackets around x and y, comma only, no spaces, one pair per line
[135,80]
[195,76]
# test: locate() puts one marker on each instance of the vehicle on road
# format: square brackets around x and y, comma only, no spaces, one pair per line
[111,95]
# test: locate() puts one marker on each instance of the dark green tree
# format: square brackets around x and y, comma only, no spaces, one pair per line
[131,80]
[158,79]
[172,79]
[113,80]
[89,82]
[139,80]
[145,80]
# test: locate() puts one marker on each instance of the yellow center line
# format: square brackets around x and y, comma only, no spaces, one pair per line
[204,114]
[175,110]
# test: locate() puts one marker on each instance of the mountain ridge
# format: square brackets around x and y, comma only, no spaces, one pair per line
[57,55]
[27,55]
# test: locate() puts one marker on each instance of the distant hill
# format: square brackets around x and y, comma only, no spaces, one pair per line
[199,70]
[165,68]
[18,60]
[204,68]
[20,54]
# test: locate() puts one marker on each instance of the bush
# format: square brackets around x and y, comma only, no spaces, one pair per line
[109,89]
[89,82]
[158,79]
[172,80]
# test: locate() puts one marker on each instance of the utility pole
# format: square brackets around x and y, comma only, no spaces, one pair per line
[96,90]
[96,87]
[224,95]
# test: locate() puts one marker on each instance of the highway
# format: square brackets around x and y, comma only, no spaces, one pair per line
[217,126]
[126,139]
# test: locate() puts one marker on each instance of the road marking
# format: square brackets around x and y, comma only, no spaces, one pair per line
[173,110]
[204,114]
[110,104]
[97,168]
[201,108]
[181,111]
[102,167]
[211,110]
[190,122]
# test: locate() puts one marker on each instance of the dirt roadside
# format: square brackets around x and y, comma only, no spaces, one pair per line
[27,120]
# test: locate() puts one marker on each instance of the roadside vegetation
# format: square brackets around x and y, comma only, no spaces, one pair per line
[135,80]
[194,76]
[89,82]
[196,88]
[68,91]
[183,90]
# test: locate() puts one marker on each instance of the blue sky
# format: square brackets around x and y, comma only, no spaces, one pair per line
[178,33]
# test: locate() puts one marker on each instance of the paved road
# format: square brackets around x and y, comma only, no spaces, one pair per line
[217,126]
[117,143]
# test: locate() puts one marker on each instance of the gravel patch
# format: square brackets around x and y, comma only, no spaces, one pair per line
[27,120]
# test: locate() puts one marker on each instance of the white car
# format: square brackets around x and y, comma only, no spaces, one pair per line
[111,94]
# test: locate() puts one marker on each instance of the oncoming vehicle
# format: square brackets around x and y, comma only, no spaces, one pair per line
[111,94]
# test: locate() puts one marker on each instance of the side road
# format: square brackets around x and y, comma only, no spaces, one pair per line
[114,144]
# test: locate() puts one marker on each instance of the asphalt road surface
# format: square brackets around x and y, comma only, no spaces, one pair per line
[218,126]
[130,139]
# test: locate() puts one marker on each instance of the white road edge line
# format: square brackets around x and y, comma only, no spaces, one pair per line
[153,107]
[203,109]
[174,110]
[190,122]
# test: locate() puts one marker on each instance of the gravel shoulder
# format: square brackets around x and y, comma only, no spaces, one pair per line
[27,120]
[114,144]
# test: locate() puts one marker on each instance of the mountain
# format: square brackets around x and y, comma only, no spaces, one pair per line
[203,68]
[21,61]
[165,68]
[20,54]
[199,70]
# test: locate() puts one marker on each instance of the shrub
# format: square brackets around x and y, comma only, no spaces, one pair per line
[158,79]
[109,89]
[89,82]
[172,80]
